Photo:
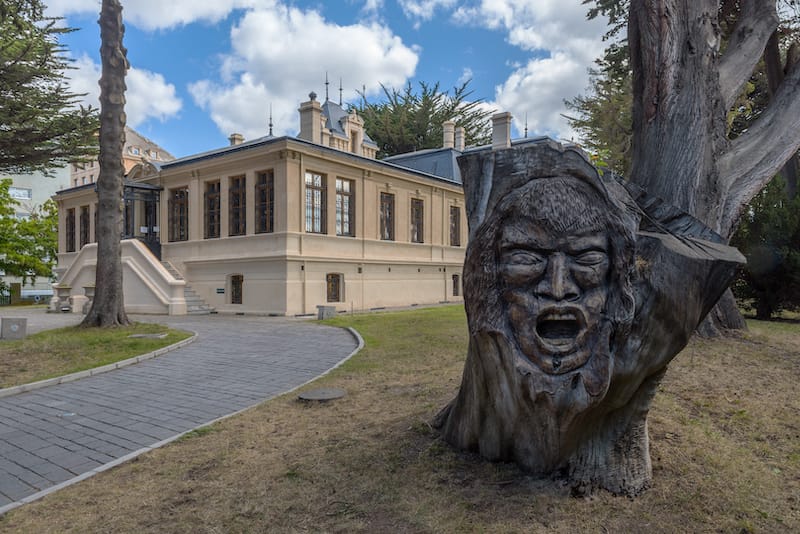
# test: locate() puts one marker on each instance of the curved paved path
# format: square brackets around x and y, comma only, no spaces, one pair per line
[58,435]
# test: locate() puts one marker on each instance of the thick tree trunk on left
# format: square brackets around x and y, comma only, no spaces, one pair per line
[108,307]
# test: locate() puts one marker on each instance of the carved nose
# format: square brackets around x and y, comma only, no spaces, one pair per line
[557,283]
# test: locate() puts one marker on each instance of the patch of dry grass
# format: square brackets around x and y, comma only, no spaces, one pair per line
[725,446]
[69,350]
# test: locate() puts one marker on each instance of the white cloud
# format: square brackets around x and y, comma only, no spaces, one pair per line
[283,69]
[538,90]
[424,9]
[372,6]
[158,14]
[148,95]
[466,75]
[564,45]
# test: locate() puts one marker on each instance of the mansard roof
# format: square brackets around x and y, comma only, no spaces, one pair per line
[335,119]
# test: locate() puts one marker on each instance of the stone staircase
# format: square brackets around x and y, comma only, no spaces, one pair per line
[195,305]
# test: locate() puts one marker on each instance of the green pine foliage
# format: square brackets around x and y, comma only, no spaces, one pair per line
[42,126]
[28,246]
[406,120]
[769,237]
[603,117]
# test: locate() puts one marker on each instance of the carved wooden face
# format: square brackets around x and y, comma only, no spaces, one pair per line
[553,264]
[556,289]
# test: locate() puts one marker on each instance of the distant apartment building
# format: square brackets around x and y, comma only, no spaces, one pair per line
[137,149]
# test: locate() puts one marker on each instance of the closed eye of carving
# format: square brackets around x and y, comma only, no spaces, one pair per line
[591,257]
[523,257]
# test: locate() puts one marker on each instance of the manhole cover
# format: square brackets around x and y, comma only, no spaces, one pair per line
[322,394]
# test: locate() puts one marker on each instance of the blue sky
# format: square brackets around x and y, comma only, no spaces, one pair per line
[201,70]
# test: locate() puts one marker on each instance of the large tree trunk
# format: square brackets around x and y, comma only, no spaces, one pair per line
[108,307]
[683,87]
[561,370]
[578,292]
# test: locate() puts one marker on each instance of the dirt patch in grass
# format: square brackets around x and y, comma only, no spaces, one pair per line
[69,350]
[725,444]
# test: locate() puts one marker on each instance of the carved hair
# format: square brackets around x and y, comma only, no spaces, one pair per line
[572,204]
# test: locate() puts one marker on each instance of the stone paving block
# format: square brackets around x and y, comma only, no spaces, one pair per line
[14,488]
[52,472]
[34,480]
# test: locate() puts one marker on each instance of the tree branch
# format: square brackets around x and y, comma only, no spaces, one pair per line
[759,153]
[757,20]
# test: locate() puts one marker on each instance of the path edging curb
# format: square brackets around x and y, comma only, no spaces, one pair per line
[22,388]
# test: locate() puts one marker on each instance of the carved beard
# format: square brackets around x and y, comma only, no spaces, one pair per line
[536,419]
[568,396]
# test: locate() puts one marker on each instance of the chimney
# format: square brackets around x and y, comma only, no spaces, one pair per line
[236,139]
[460,135]
[448,127]
[501,130]
[311,120]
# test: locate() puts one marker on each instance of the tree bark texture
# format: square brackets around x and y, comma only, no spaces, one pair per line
[776,72]
[108,307]
[683,87]
[579,291]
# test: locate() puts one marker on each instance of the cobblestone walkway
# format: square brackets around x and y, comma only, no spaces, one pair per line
[58,435]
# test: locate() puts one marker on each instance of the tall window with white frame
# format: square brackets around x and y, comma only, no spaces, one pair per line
[129,216]
[417,220]
[178,220]
[345,207]
[387,216]
[237,206]
[265,202]
[212,210]
[70,230]
[455,226]
[315,203]
[84,225]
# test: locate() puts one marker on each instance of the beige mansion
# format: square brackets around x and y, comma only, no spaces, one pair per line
[281,225]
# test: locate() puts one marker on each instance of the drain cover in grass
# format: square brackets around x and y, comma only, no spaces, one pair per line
[322,394]
[150,336]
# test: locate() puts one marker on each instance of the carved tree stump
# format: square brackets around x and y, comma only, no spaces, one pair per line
[578,294]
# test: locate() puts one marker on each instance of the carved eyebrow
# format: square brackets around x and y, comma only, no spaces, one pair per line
[587,244]
[527,246]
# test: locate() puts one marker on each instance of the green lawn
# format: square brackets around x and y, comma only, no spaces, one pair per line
[724,445]
[68,350]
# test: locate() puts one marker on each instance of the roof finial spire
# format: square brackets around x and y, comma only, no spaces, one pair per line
[340,91]
[270,120]
[326,86]
[526,124]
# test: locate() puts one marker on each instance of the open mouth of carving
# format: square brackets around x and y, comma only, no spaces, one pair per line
[560,330]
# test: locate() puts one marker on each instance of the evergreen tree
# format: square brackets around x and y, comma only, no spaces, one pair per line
[603,117]
[769,236]
[41,124]
[407,121]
